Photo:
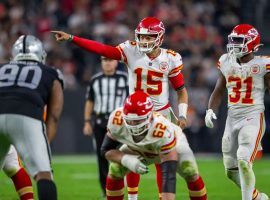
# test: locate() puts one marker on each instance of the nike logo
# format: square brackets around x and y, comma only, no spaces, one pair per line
[249,119]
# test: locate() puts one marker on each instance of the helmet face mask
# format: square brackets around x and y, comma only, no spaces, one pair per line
[137,126]
[146,46]
[137,113]
[28,47]
[243,40]
[149,26]
[236,46]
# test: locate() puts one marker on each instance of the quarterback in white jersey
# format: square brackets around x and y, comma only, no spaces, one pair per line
[152,75]
[246,78]
[147,137]
[150,68]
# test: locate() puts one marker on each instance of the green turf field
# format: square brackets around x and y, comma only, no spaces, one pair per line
[76,178]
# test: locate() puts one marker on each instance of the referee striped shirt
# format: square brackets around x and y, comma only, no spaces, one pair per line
[107,92]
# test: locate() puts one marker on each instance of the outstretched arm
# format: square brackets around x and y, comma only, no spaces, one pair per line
[90,45]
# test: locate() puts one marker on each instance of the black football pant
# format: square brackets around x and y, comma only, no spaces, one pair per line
[103,165]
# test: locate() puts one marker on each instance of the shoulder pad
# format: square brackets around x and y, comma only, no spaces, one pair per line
[115,121]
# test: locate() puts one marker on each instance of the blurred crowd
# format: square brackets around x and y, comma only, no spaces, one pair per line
[196,29]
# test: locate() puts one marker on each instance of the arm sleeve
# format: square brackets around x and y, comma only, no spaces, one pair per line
[175,76]
[98,48]
[108,144]
[177,81]
[169,176]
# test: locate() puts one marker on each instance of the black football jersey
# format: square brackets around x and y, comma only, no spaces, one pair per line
[25,87]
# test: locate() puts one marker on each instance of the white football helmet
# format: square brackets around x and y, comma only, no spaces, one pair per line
[28,47]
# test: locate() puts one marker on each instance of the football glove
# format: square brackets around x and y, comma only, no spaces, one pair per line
[134,164]
[210,115]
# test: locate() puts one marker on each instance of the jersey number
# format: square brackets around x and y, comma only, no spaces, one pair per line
[236,96]
[159,132]
[117,120]
[150,81]
[28,76]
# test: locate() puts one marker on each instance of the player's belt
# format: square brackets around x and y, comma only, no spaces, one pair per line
[164,107]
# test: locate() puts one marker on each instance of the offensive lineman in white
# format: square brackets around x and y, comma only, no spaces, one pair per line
[246,77]
[148,137]
[150,69]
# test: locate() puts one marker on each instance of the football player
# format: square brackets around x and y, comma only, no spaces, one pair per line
[21,180]
[245,76]
[26,85]
[150,69]
[147,137]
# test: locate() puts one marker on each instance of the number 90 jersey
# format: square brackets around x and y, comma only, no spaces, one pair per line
[152,75]
[245,84]
[25,87]
[161,136]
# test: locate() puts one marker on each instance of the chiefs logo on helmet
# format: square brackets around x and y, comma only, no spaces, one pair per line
[138,109]
[243,40]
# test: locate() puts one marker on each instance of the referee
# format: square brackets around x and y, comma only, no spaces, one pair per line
[106,91]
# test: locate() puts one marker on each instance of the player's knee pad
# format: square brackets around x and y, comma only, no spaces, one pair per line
[229,162]
[11,163]
[116,170]
[243,152]
[188,169]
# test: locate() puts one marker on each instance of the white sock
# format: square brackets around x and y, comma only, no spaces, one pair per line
[132,196]
[247,179]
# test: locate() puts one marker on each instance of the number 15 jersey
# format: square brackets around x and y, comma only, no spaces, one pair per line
[152,75]
[245,84]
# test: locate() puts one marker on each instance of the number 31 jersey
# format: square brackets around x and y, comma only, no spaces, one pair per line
[245,84]
[25,87]
[152,75]
[161,136]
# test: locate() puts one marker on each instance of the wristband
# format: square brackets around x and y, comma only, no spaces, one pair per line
[182,108]
[70,38]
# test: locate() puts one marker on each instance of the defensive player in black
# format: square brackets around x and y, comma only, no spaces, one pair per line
[26,86]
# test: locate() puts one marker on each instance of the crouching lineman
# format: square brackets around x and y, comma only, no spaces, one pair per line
[147,138]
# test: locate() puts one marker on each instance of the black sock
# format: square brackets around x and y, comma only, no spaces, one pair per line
[46,190]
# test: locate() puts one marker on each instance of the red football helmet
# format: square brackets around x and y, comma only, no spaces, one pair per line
[243,40]
[138,109]
[149,26]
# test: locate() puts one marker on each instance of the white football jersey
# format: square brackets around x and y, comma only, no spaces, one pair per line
[151,75]
[161,136]
[245,84]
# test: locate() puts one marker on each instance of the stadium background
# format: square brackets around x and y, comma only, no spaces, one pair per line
[196,29]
